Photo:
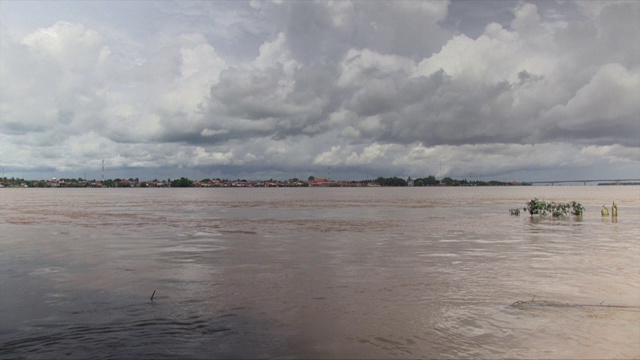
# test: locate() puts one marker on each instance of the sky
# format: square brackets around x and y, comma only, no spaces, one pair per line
[478,90]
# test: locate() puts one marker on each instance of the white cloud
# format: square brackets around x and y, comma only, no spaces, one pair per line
[359,66]
[275,54]
[482,160]
[212,132]
[613,153]
[351,155]
[71,46]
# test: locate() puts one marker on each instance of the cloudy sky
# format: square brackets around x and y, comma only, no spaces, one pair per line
[468,89]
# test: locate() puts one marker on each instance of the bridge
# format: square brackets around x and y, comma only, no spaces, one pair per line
[614,181]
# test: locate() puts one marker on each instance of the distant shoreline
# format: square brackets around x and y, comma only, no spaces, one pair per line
[337,185]
[429,181]
[183,182]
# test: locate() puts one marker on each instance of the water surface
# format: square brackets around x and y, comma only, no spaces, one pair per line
[317,273]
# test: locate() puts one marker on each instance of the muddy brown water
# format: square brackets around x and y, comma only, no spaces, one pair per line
[317,273]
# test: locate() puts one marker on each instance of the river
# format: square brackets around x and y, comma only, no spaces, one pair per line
[317,273]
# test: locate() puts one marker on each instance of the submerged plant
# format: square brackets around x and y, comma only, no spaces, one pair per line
[541,207]
[576,208]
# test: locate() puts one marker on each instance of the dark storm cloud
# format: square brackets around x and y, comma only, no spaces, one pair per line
[471,16]
[324,31]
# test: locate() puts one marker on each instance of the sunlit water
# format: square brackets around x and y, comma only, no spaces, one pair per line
[317,273]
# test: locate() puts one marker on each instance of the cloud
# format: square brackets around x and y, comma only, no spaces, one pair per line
[615,153]
[212,132]
[321,31]
[536,161]
[348,155]
[603,111]
[364,87]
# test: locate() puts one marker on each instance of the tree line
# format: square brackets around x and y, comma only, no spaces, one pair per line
[446,181]
[186,182]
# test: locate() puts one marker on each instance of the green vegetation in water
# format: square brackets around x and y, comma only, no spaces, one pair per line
[541,207]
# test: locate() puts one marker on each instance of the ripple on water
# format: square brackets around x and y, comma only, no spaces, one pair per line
[45,271]
[144,338]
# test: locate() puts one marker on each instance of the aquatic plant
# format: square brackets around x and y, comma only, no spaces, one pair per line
[541,207]
[576,208]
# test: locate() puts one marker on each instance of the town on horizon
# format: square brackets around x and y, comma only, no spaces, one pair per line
[293,182]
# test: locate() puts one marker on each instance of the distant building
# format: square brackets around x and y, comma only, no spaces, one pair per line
[324,182]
